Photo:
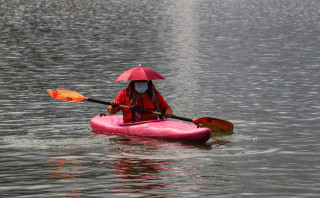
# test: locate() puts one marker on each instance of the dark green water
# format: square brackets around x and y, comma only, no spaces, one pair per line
[252,62]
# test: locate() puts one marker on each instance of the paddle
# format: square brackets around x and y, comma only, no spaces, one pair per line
[214,124]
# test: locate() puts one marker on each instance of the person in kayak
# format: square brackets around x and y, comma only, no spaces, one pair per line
[141,94]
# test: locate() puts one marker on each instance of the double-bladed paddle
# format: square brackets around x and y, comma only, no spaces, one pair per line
[214,124]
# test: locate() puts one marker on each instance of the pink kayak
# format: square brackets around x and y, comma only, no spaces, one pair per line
[155,129]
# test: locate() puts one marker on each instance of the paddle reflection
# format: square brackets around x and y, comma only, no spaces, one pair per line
[65,168]
[130,165]
[68,170]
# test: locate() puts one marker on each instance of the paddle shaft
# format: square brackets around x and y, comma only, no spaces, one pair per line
[138,109]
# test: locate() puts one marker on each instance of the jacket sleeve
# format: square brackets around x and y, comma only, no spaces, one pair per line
[162,103]
[120,98]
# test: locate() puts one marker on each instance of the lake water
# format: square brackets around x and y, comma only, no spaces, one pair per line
[254,63]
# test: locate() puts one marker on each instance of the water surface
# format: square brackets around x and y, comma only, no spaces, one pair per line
[252,62]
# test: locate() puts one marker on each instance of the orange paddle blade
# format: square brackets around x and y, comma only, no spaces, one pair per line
[66,95]
[215,124]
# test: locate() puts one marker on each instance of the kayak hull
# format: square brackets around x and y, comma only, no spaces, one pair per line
[156,129]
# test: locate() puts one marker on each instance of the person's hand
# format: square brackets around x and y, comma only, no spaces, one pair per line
[113,108]
[168,113]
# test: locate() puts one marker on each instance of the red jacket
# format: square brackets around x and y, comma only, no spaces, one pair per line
[143,103]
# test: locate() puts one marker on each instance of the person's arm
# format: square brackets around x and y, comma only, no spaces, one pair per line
[114,107]
[168,112]
[165,107]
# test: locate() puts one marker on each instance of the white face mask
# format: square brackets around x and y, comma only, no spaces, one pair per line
[141,87]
